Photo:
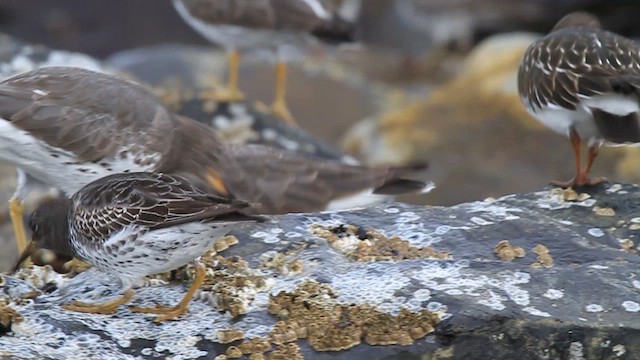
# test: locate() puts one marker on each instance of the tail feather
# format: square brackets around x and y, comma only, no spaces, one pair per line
[619,129]
[402,180]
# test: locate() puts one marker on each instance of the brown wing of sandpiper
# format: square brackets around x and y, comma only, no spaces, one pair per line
[89,114]
[287,182]
[151,200]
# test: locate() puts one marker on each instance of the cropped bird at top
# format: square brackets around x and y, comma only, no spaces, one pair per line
[249,24]
[133,225]
[67,127]
[584,82]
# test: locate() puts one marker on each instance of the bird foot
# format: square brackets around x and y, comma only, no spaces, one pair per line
[579,181]
[106,308]
[279,110]
[170,312]
[76,266]
[226,95]
[166,312]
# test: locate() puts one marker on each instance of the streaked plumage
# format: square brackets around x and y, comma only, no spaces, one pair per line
[137,224]
[584,82]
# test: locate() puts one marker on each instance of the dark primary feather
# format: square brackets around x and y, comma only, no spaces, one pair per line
[89,114]
[619,129]
[152,200]
[578,60]
[287,182]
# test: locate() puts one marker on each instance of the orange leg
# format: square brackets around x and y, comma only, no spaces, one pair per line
[279,106]
[170,312]
[106,308]
[16,212]
[575,145]
[582,176]
[593,153]
[231,93]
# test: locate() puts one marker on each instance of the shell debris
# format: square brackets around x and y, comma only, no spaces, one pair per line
[370,245]
[507,252]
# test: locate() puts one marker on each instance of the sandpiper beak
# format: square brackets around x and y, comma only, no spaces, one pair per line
[30,249]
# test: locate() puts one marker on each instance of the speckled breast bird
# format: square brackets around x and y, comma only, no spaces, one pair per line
[134,225]
[250,24]
[584,82]
[67,127]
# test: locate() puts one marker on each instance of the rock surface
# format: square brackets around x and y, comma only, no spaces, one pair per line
[545,275]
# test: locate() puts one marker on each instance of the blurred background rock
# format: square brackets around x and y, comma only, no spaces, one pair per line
[438,81]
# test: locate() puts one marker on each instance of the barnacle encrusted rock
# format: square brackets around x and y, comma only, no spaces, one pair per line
[371,245]
[507,252]
[544,258]
[313,313]
[364,287]
[8,316]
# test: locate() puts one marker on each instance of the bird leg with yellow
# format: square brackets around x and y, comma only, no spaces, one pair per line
[16,212]
[279,106]
[109,307]
[170,312]
[166,312]
[231,92]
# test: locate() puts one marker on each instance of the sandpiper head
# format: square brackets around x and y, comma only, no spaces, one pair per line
[50,228]
[578,19]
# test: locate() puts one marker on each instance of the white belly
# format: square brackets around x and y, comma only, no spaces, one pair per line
[153,252]
[53,166]
[560,119]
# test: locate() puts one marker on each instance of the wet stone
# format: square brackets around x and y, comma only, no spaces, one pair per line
[533,275]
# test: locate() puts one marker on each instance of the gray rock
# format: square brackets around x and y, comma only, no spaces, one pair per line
[572,293]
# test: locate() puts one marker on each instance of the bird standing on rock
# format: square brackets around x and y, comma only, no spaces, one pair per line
[68,127]
[134,225]
[251,24]
[584,82]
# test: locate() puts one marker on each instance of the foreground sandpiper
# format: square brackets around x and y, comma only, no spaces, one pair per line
[583,81]
[134,225]
[68,127]
[250,24]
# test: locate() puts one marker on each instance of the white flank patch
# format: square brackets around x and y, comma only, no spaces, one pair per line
[361,199]
[613,103]
[55,166]
[560,119]
[366,198]
[318,9]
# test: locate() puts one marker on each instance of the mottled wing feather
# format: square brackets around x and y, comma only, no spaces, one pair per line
[572,63]
[89,114]
[145,199]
